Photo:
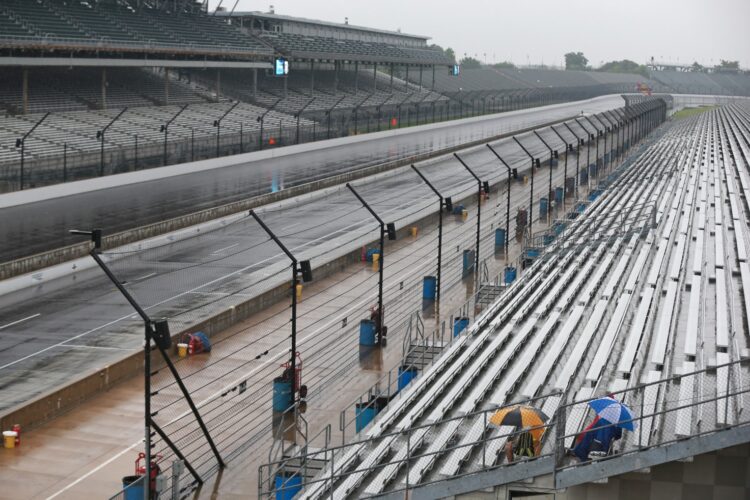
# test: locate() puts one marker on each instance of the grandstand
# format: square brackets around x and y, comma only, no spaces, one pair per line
[641,297]
[85,62]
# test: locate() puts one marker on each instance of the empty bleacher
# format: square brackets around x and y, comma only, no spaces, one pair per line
[624,329]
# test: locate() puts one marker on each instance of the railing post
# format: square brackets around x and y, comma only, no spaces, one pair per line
[65,162]
[484,441]
[408,454]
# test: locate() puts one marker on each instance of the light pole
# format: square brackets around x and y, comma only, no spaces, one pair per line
[165,129]
[512,173]
[21,143]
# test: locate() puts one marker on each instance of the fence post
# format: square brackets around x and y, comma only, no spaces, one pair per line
[192,144]
[484,441]
[408,454]
[65,162]
[333,469]
[135,163]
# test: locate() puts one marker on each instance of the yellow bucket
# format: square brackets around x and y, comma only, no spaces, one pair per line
[375,261]
[414,231]
[299,291]
[9,439]
[464,214]
[182,350]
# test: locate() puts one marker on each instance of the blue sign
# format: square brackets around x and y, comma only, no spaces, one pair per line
[455,70]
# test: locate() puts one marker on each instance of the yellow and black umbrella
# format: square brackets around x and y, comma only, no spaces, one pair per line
[523,417]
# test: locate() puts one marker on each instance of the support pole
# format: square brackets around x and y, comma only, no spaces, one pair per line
[507,208]
[217,124]
[441,204]
[479,211]
[21,143]
[149,335]
[294,282]
[381,260]
[565,168]
[104,88]
[531,192]
[25,89]
[165,130]
[578,156]
[166,86]
[551,157]
[100,135]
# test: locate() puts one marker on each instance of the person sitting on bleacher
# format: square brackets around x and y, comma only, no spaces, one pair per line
[597,438]
[522,445]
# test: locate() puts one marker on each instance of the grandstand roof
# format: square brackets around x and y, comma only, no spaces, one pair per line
[280,17]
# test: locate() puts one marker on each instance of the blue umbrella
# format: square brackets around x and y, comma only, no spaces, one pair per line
[614,412]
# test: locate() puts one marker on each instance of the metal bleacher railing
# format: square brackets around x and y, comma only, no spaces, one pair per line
[419,351]
[701,405]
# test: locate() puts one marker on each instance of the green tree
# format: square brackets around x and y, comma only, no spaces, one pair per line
[728,65]
[576,60]
[697,67]
[504,65]
[450,53]
[470,63]
[625,66]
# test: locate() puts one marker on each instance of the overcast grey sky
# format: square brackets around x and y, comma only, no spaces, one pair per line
[544,30]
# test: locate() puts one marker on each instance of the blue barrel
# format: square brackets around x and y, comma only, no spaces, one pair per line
[364,413]
[468,260]
[133,489]
[371,252]
[532,253]
[287,486]
[459,325]
[584,177]
[406,375]
[594,195]
[510,275]
[458,209]
[367,332]
[558,228]
[282,394]
[499,237]
[543,204]
[559,194]
[429,287]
